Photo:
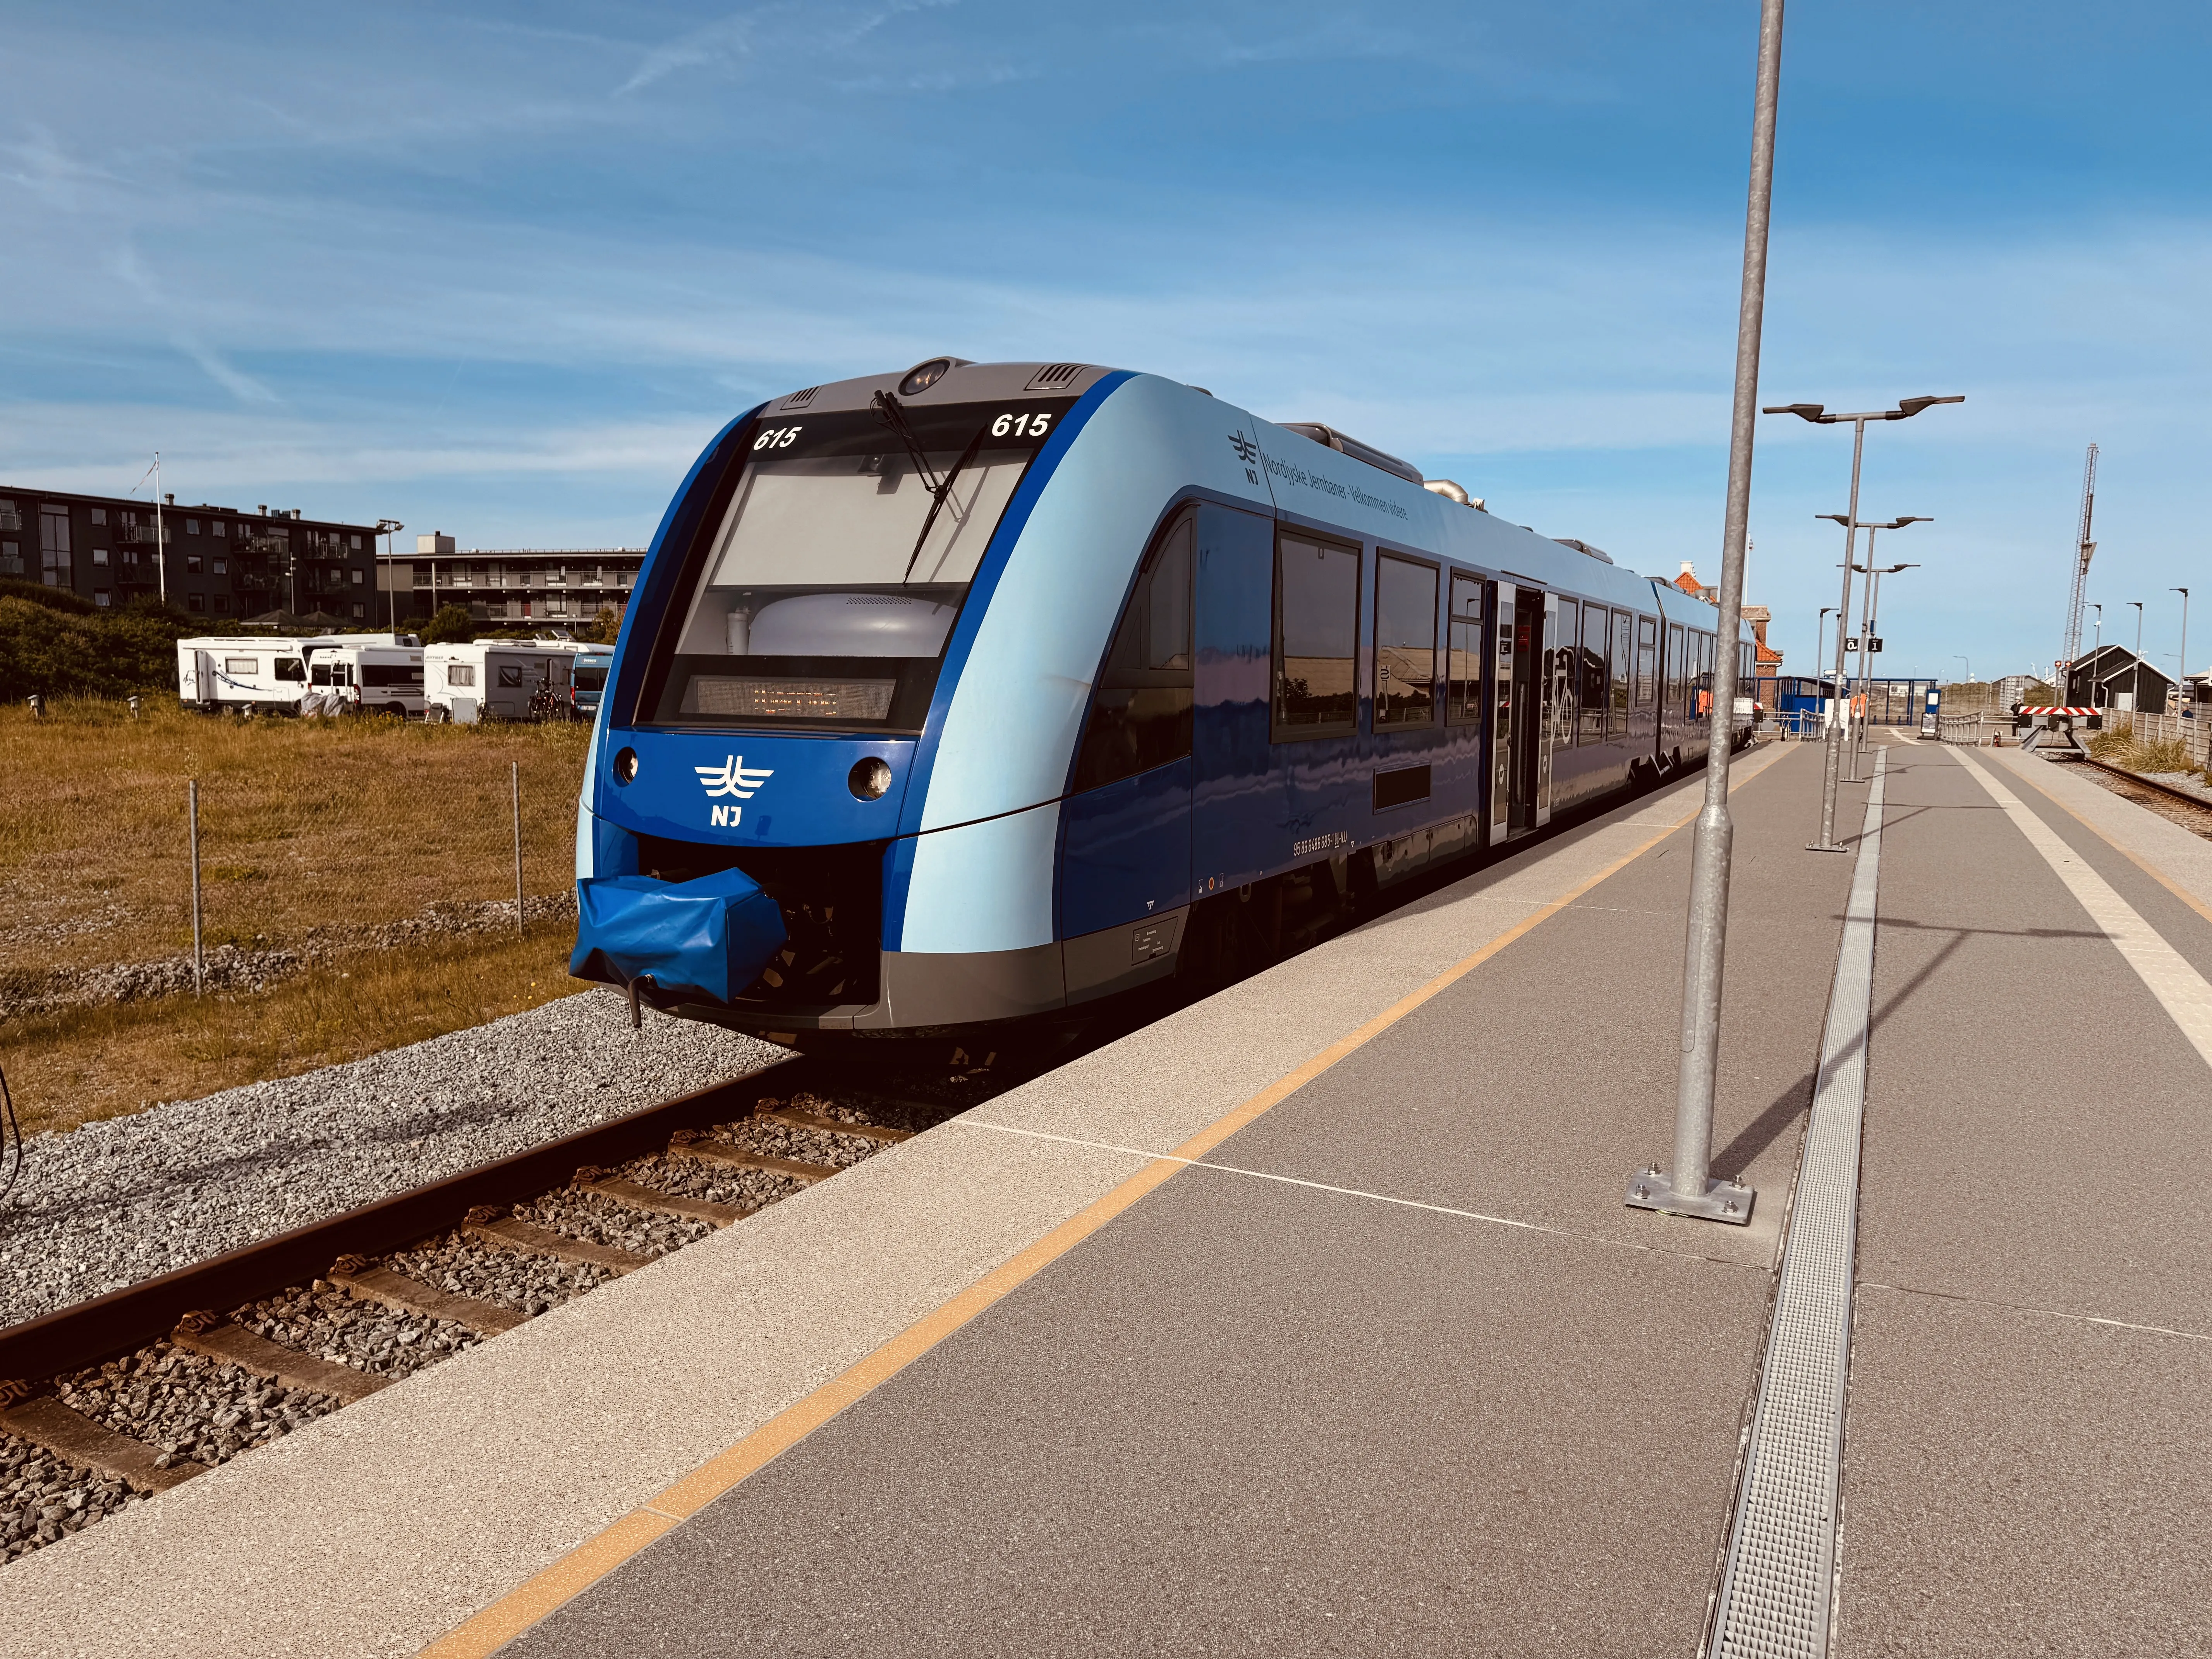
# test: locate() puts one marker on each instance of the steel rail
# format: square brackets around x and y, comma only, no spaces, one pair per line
[2136,778]
[85,1334]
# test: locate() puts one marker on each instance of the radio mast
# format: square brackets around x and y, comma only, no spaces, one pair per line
[2083,549]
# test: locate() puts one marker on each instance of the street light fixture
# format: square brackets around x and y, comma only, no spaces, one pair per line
[1818,416]
[383,528]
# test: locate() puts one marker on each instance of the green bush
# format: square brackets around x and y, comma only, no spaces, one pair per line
[60,645]
[453,625]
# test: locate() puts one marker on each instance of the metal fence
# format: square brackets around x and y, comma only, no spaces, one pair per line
[175,852]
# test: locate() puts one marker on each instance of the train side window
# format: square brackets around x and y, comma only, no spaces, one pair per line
[1647,666]
[1404,642]
[1592,670]
[1678,665]
[1566,673]
[1316,639]
[1463,671]
[1616,723]
[1141,711]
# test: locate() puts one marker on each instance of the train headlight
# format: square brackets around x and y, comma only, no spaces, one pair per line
[869,778]
[625,765]
[921,378]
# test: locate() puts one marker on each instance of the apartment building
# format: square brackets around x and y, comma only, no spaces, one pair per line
[206,560]
[507,584]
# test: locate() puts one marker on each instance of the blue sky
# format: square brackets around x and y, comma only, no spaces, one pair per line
[502,270]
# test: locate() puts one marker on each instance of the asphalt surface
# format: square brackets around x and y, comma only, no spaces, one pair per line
[1257,1417]
[2017,1478]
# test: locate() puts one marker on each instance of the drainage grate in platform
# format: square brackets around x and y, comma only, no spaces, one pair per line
[1776,1585]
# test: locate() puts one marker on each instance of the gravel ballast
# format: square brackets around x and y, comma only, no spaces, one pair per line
[43,1499]
[116,1202]
[333,1326]
[187,1405]
[598,1220]
[528,1284]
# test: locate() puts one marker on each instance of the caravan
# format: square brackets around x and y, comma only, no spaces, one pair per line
[367,674]
[266,673]
[499,679]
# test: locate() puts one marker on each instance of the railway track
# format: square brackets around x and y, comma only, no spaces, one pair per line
[132,1393]
[2194,813]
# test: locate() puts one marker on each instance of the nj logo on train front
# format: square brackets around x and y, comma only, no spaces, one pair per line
[731,777]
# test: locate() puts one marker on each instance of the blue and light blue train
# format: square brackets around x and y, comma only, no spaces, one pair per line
[982,692]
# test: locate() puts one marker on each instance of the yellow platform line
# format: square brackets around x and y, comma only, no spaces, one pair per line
[600,1555]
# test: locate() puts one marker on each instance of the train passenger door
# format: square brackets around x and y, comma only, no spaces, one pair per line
[1519,754]
[1125,871]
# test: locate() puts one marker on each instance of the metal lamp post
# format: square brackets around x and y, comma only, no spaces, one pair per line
[2135,669]
[1866,617]
[1874,621]
[1905,410]
[1819,633]
[1688,1188]
[2181,685]
[383,528]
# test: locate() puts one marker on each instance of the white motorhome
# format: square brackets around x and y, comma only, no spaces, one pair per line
[256,670]
[492,679]
[364,674]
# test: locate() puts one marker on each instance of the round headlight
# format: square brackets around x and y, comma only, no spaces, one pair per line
[869,778]
[923,376]
[625,765]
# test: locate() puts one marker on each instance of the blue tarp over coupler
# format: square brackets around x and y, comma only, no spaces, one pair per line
[708,938]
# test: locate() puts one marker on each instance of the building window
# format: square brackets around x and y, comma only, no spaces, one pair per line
[54,567]
[222,603]
[130,555]
[196,601]
[359,611]
[216,530]
[191,527]
[100,515]
[11,558]
[357,577]
[100,555]
[99,598]
[356,543]
[191,564]
[222,566]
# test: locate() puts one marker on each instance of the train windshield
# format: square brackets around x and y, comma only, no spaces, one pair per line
[823,594]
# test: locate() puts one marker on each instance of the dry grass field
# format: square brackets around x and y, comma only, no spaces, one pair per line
[311,831]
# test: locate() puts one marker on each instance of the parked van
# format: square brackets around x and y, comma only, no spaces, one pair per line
[261,672]
[497,679]
[591,671]
[366,676]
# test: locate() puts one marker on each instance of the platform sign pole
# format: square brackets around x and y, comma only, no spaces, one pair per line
[1690,1190]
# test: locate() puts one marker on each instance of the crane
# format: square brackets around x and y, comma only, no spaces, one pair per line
[2083,549]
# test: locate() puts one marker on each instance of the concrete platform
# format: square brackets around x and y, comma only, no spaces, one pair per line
[446,1492]
[1310,1319]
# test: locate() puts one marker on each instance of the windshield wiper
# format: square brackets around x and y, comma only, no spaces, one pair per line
[937,497]
[892,413]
